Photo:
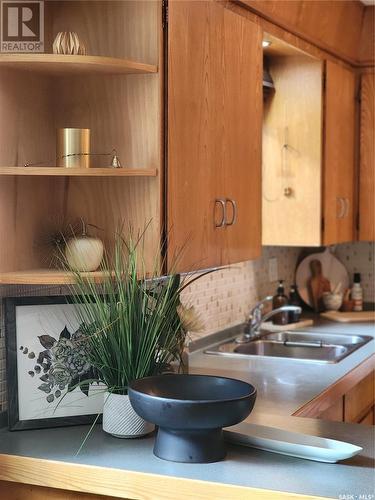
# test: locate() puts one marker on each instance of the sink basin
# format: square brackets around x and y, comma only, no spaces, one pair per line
[325,338]
[326,353]
[306,346]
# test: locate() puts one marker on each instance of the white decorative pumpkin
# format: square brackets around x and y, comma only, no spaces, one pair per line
[84,253]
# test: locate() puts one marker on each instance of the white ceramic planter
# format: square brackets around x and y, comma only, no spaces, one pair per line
[120,420]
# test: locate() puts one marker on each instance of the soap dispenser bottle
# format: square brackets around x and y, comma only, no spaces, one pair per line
[279,300]
[294,300]
[357,293]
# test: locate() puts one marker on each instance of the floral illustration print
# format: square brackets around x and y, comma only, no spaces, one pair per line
[63,364]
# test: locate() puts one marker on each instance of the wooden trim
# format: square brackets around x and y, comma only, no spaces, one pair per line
[74,64]
[364,413]
[368,418]
[330,395]
[19,491]
[366,171]
[45,277]
[163,102]
[273,19]
[123,483]
[79,172]
[286,36]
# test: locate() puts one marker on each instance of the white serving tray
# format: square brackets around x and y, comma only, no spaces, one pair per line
[290,443]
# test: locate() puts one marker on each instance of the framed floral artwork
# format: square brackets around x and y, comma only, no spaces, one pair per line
[50,380]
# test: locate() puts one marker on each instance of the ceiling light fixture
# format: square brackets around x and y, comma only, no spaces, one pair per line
[266,43]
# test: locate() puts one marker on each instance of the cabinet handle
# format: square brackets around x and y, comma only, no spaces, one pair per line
[342,208]
[221,203]
[234,213]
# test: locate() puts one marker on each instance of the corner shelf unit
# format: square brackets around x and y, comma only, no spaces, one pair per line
[56,64]
[117,91]
[79,172]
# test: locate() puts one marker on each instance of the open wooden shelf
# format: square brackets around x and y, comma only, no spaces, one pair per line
[79,172]
[45,277]
[116,91]
[57,64]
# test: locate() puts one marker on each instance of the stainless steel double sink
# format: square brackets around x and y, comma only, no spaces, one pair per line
[301,345]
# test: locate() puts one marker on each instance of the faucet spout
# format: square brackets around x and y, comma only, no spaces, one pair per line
[272,313]
[256,319]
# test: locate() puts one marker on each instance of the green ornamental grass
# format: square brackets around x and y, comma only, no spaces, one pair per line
[131,321]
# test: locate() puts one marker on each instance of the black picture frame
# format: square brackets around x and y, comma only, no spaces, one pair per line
[14,422]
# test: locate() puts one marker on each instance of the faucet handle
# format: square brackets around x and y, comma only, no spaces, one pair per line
[255,316]
[259,305]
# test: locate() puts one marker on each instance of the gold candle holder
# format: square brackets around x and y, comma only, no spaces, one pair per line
[73,147]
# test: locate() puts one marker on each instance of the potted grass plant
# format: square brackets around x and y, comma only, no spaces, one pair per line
[134,326]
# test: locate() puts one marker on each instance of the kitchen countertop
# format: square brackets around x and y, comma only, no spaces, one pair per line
[243,467]
[127,468]
[284,385]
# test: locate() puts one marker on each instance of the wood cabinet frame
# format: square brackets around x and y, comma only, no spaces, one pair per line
[330,397]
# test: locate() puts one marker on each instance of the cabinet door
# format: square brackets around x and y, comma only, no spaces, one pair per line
[339,154]
[214,65]
[242,133]
[360,399]
[367,162]
[292,153]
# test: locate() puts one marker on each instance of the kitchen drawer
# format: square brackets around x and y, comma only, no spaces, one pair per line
[359,399]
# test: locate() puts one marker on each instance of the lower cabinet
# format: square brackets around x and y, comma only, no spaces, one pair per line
[359,401]
[356,406]
[335,413]
[351,399]
[369,418]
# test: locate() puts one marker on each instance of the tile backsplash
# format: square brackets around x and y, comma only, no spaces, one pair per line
[360,258]
[225,297]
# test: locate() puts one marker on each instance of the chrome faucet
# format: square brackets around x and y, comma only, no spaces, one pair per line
[255,320]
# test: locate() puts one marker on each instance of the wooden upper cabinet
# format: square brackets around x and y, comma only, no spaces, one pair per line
[214,135]
[242,138]
[194,175]
[308,151]
[339,154]
[292,152]
[367,161]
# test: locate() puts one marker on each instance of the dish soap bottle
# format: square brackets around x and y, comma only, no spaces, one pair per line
[279,300]
[357,293]
[294,300]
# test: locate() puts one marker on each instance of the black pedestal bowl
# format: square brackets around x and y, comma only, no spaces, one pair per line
[191,411]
